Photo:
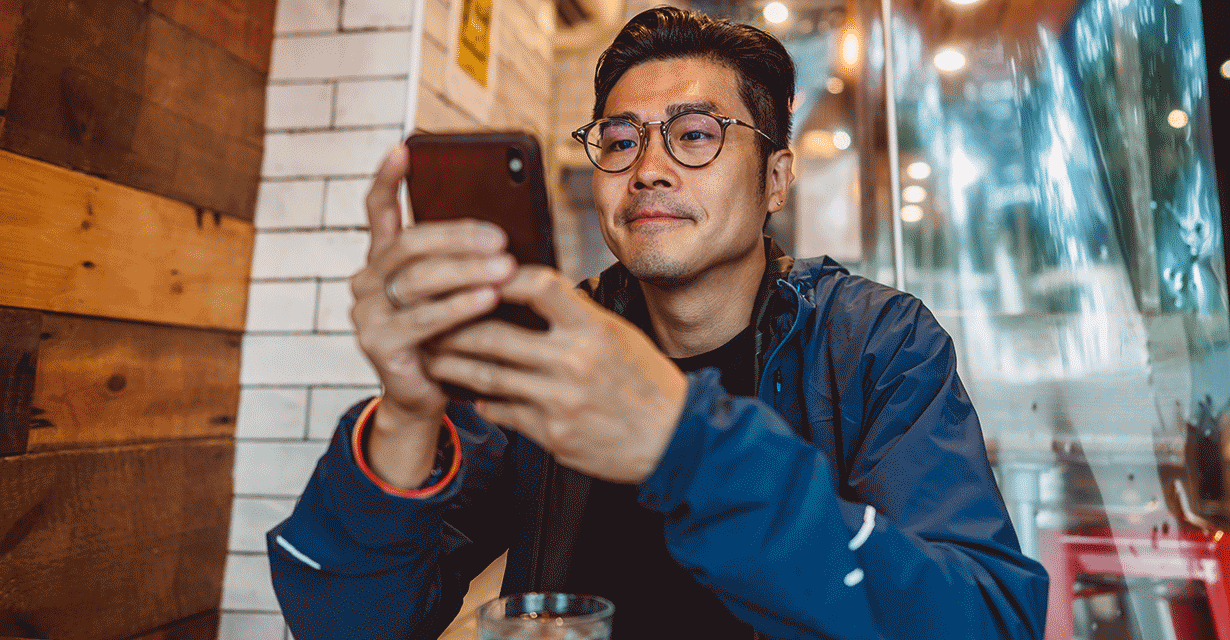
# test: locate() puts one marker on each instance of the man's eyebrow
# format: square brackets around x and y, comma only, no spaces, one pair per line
[671,110]
[626,115]
[680,107]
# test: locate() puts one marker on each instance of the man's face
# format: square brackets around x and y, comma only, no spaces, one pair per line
[667,223]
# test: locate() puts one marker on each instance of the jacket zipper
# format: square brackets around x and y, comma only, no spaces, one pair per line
[798,314]
[540,523]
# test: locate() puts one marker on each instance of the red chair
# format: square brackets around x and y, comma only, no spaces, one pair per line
[1182,546]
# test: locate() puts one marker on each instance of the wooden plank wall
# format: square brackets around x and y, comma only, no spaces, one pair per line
[131,135]
[117,90]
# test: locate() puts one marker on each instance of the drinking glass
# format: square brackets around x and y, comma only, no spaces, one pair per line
[546,616]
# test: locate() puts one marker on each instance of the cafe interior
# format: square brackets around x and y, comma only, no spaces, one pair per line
[1041,174]
[1048,176]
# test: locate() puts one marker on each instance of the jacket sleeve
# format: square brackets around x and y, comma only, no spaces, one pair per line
[355,562]
[913,542]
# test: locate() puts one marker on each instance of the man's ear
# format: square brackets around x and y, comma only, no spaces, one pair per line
[778,177]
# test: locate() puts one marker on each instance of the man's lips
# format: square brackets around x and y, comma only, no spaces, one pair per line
[653,216]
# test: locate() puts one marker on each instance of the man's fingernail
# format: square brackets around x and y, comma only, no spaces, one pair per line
[490,237]
[483,297]
[500,266]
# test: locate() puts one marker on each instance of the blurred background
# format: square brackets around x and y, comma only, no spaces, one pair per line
[181,191]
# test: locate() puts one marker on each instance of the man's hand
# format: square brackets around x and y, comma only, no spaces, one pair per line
[593,390]
[418,282]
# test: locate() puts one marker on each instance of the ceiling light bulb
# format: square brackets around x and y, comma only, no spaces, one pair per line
[911,213]
[841,140]
[776,12]
[962,2]
[1225,69]
[1177,118]
[918,170]
[849,49]
[914,194]
[818,143]
[835,85]
[949,59]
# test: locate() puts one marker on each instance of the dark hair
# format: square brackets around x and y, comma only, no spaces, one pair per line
[766,73]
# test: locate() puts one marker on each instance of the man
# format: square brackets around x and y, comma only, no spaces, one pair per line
[740,445]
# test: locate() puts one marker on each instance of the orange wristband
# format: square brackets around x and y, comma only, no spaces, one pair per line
[360,428]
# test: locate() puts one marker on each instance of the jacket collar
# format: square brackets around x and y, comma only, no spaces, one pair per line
[618,290]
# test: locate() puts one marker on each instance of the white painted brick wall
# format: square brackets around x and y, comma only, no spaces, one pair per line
[340,55]
[370,102]
[252,517]
[333,312]
[289,204]
[281,306]
[295,16]
[275,468]
[257,626]
[329,403]
[247,585]
[324,153]
[333,307]
[336,103]
[295,106]
[322,254]
[344,202]
[369,14]
[272,413]
[304,359]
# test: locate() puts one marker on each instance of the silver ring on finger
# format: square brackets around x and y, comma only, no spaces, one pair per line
[390,292]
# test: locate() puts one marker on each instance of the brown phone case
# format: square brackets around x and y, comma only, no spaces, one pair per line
[468,175]
[496,177]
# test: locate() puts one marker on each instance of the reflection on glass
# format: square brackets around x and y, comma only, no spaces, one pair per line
[1064,226]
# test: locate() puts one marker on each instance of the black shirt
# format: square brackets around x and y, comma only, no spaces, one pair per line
[621,553]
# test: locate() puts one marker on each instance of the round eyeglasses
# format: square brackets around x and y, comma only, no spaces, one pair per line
[693,139]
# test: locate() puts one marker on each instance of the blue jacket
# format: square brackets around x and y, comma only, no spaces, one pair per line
[851,499]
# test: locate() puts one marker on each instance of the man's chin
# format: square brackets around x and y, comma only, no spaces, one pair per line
[660,269]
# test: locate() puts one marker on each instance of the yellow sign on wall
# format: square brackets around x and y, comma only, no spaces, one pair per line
[474,39]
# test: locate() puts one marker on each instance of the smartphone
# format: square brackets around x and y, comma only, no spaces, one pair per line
[497,177]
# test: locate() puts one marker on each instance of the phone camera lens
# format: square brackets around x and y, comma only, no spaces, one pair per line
[516,165]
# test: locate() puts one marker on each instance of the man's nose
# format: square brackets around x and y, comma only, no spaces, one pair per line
[656,167]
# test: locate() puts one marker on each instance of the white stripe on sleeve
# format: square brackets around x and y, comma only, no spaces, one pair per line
[298,554]
[864,532]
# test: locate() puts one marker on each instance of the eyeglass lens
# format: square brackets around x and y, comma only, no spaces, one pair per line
[693,139]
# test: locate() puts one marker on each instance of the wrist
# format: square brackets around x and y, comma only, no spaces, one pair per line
[391,421]
[400,456]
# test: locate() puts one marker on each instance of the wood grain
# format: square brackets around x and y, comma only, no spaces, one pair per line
[20,329]
[103,544]
[110,88]
[77,244]
[242,27]
[107,382]
[10,26]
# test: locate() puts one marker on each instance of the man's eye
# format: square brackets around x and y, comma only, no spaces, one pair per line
[698,136]
[621,145]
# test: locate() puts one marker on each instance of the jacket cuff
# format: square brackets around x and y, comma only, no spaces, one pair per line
[358,513]
[666,487]
[360,458]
